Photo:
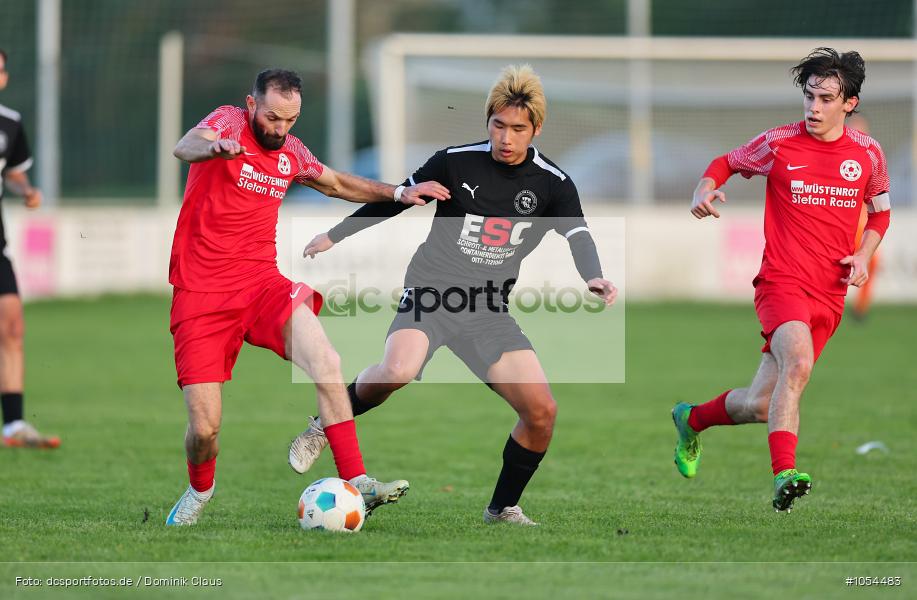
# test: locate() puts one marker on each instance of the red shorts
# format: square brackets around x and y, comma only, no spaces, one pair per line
[208,328]
[778,303]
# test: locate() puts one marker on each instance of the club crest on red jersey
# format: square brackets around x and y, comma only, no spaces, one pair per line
[851,170]
[283,164]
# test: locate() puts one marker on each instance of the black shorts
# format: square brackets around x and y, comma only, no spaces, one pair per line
[7,276]
[479,338]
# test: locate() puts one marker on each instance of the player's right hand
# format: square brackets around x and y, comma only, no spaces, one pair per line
[422,192]
[702,205]
[228,149]
[319,243]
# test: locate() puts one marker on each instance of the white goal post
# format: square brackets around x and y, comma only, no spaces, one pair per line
[649,91]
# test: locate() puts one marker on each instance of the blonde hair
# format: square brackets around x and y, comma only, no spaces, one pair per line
[519,86]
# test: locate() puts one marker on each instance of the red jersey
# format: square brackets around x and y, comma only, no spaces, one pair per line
[226,235]
[815,192]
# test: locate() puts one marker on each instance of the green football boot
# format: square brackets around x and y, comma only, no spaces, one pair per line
[790,484]
[687,451]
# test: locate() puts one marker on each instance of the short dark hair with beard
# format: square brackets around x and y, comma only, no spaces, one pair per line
[285,82]
[849,68]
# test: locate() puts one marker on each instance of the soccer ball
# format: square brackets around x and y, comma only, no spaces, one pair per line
[332,504]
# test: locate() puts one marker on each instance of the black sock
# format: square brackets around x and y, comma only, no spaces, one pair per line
[359,407]
[519,464]
[12,407]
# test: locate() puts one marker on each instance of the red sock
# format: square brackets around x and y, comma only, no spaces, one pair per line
[201,475]
[342,437]
[710,413]
[783,450]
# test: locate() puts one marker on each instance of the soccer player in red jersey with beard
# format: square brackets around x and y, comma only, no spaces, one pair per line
[819,175]
[228,289]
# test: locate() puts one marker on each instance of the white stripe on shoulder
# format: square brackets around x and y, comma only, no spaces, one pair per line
[879,203]
[547,167]
[9,113]
[21,167]
[475,148]
[575,230]
[860,138]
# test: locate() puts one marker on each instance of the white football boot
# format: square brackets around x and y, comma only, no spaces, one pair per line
[510,514]
[305,447]
[190,506]
[376,493]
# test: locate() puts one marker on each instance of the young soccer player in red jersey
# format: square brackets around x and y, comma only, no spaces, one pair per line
[228,289]
[819,175]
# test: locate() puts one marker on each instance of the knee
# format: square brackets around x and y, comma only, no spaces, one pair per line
[204,434]
[797,371]
[327,365]
[398,373]
[542,414]
[761,408]
[12,330]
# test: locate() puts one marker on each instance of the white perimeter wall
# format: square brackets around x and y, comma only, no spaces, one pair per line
[670,255]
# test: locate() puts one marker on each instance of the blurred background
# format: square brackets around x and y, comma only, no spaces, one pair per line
[641,95]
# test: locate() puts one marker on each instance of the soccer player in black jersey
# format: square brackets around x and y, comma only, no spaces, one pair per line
[504,197]
[15,160]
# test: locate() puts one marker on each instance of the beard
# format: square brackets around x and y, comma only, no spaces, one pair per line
[265,139]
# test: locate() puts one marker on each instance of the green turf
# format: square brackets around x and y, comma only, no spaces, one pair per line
[100,373]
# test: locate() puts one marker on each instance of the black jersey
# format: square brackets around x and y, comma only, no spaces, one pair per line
[497,215]
[14,151]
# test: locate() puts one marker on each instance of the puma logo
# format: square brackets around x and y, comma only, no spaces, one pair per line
[465,186]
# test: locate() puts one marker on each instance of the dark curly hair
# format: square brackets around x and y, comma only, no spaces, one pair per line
[849,68]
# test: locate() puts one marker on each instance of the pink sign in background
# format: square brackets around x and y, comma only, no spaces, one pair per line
[35,266]
[743,245]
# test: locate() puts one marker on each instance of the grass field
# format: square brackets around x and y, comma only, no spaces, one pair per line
[617,519]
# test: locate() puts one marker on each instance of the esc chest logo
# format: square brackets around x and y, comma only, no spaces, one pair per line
[283,164]
[851,170]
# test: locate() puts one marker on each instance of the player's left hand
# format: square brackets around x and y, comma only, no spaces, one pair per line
[431,189]
[604,289]
[859,272]
[33,198]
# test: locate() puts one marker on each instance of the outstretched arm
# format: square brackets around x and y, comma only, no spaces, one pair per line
[756,157]
[201,144]
[375,211]
[704,195]
[364,217]
[354,188]
[382,207]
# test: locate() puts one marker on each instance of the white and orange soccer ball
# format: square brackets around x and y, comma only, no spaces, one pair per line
[332,504]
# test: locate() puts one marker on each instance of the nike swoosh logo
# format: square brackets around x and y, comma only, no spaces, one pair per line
[295,292]
[792,168]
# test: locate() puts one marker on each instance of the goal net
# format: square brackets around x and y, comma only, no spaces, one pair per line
[630,119]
